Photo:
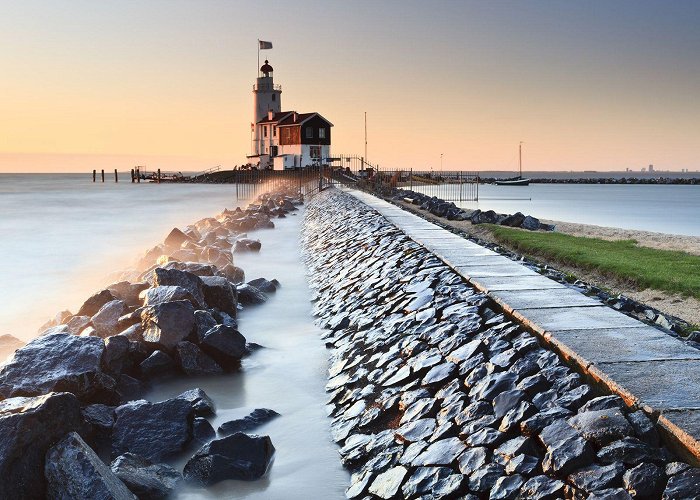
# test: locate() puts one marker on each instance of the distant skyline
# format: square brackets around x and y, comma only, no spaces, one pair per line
[597,85]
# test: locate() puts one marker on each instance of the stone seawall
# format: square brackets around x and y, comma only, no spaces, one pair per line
[435,393]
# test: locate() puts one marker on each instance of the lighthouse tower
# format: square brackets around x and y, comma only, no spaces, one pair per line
[266,97]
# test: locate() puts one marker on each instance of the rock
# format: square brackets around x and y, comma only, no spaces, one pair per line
[611,402]
[204,321]
[243,245]
[73,470]
[144,478]
[602,426]
[610,494]
[77,324]
[258,417]
[165,325]
[128,292]
[530,223]
[484,478]
[8,345]
[128,388]
[225,345]
[105,320]
[157,364]
[152,430]
[644,428]
[220,294]
[234,457]
[175,239]
[566,450]
[442,452]
[597,477]
[473,459]
[522,464]
[194,361]
[435,482]
[94,303]
[167,293]
[202,431]
[514,220]
[202,405]
[264,285]
[645,481]
[683,485]
[417,430]
[387,484]
[58,362]
[234,274]
[249,295]
[99,416]
[542,488]
[29,427]
[116,356]
[174,277]
[673,468]
[630,451]
[506,487]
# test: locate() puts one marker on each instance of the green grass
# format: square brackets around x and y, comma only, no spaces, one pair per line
[665,270]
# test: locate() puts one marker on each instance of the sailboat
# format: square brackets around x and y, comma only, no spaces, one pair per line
[516,181]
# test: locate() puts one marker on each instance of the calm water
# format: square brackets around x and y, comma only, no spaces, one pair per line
[664,209]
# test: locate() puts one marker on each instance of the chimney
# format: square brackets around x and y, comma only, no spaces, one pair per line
[270,114]
[296,117]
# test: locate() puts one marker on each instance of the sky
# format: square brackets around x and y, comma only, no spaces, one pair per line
[596,85]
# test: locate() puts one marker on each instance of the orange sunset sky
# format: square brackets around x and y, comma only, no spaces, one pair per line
[596,85]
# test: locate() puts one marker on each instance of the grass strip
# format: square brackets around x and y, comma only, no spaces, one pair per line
[665,270]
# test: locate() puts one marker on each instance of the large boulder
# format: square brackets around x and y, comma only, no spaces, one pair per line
[29,427]
[165,325]
[250,295]
[194,361]
[128,292]
[175,239]
[225,345]
[144,478]
[73,470]
[239,456]
[57,363]
[185,279]
[152,430]
[219,293]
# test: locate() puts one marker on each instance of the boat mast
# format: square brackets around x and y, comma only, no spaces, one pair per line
[520,158]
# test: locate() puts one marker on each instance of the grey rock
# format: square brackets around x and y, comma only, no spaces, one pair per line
[168,293]
[29,427]
[128,292]
[358,483]
[265,285]
[165,325]
[73,470]
[225,345]
[174,277]
[506,401]
[522,464]
[630,451]
[610,494]
[597,477]
[473,459]
[144,478]
[443,452]
[244,245]
[256,418]
[673,468]
[683,485]
[106,319]
[194,361]
[249,295]
[506,487]
[176,238]
[58,362]
[202,430]
[416,430]
[99,416]
[435,482]
[239,456]
[566,450]
[484,478]
[219,293]
[644,428]
[387,484]
[602,426]
[645,481]
[157,364]
[152,430]
[611,402]
[116,356]
[202,405]
[542,488]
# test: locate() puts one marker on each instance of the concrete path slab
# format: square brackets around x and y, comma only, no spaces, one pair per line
[644,365]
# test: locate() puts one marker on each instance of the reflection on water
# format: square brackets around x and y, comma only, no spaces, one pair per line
[288,376]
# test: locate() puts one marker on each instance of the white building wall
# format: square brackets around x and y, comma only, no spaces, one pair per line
[263,102]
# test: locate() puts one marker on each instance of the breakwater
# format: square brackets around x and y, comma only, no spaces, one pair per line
[72,420]
[434,391]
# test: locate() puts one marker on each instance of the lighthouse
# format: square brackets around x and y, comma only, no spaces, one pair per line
[283,140]
[267,97]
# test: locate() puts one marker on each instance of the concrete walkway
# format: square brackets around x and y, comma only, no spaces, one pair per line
[645,366]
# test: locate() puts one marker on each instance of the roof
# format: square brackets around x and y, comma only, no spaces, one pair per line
[286,118]
[276,117]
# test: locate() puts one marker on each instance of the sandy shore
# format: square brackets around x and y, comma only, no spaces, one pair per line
[686,308]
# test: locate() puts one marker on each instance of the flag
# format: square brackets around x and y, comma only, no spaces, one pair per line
[264,45]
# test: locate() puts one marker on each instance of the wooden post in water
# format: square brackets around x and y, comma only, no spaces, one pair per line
[138,175]
[158,176]
[103,174]
[116,176]
[132,176]
[94,175]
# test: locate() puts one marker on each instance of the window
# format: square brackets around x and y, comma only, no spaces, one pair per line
[274,131]
[321,133]
[274,97]
[264,131]
[309,133]
[315,151]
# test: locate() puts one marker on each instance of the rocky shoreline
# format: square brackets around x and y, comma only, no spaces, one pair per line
[435,393]
[71,418]
[692,181]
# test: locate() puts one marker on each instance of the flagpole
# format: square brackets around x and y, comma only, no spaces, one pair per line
[258,68]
